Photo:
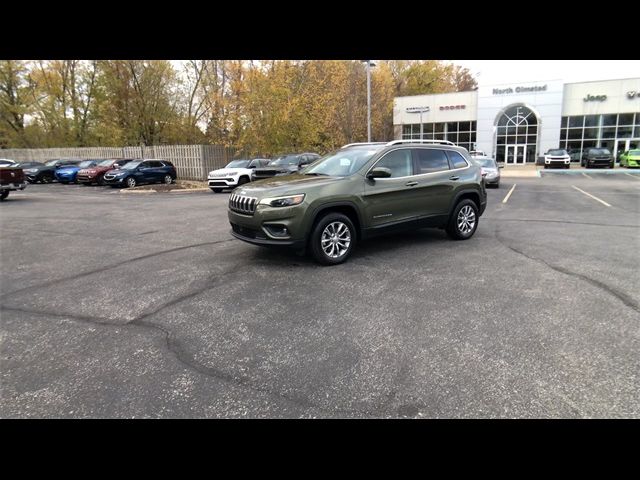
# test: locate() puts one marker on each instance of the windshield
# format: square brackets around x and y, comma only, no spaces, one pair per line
[342,163]
[87,163]
[558,152]
[238,164]
[105,163]
[131,165]
[286,160]
[485,162]
[51,163]
[599,151]
[256,162]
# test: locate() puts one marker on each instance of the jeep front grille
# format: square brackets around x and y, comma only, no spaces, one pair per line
[242,204]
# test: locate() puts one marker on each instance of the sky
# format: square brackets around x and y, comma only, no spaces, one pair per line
[490,72]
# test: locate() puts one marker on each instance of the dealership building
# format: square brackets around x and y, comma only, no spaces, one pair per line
[517,122]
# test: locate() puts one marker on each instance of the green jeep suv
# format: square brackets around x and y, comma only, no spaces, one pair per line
[361,191]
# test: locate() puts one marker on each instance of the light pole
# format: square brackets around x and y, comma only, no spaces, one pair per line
[369,65]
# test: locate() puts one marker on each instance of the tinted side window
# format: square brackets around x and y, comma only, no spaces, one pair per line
[156,164]
[398,161]
[430,160]
[457,160]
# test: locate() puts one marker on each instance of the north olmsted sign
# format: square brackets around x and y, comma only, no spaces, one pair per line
[506,91]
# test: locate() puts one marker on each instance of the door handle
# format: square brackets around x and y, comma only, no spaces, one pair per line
[454,177]
[411,184]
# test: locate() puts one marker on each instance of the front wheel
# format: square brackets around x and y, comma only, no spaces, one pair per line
[243,180]
[332,239]
[464,220]
[4,194]
[131,182]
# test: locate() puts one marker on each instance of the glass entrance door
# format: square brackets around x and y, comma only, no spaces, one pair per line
[516,154]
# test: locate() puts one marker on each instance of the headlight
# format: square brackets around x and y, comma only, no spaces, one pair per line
[283,201]
[31,170]
[231,174]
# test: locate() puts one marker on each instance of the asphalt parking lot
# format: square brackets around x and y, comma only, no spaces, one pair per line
[122,305]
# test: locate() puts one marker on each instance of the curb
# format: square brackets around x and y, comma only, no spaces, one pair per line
[182,190]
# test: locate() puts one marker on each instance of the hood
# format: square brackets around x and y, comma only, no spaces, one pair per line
[95,169]
[278,168]
[116,171]
[224,171]
[68,169]
[285,185]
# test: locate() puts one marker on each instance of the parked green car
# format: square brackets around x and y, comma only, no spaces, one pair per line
[630,158]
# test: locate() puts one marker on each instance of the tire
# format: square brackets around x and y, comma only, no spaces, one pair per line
[457,227]
[243,180]
[100,180]
[45,178]
[131,182]
[611,166]
[325,229]
[4,194]
[216,190]
[168,180]
[567,167]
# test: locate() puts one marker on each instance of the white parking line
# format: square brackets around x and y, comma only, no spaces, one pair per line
[633,176]
[589,195]
[587,175]
[509,194]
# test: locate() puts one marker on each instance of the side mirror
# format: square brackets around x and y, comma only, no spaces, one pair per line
[379,172]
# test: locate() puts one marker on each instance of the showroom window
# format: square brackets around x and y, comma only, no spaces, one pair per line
[610,131]
[462,134]
[516,135]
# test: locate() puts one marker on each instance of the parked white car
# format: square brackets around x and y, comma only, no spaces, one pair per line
[237,172]
[557,157]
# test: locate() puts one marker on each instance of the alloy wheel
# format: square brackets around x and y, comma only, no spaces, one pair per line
[131,182]
[335,239]
[466,220]
[168,180]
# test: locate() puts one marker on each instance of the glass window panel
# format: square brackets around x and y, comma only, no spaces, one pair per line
[533,129]
[563,134]
[564,122]
[522,130]
[439,136]
[501,140]
[609,132]
[625,119]
[521,139]
[500,154]
[588,143]
[609,120]
[638,119]
[452,136]
[636,132]
[511,130]
[531,139]
[452,126]
[464,126]
[531,153]
[563,144]
[439,127]
[406,129]
[576,121]
[624,132]
[464,138]
[590,133]
[430,160]
[473,137]
[575,133]
[511,139]
[473,124]
[502,131]
[591,120]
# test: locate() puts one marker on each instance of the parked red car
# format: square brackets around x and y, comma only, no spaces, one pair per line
[90,175]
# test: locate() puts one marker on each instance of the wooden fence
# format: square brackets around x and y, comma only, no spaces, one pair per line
[192,162]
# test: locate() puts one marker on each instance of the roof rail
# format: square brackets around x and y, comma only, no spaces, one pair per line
[440,142]
[363,143]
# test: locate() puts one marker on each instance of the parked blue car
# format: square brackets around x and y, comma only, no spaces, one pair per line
[68,173]
[141,171]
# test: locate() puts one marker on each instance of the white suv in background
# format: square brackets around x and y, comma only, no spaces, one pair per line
[237,172]
[557,157]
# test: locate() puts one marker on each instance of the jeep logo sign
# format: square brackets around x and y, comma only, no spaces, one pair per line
[632,94]
[595,98]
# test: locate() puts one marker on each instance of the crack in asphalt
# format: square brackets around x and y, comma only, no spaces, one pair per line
[623,297]
[559,221]
[111,267]
[188,360]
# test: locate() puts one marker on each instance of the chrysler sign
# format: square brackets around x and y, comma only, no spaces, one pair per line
[417,109]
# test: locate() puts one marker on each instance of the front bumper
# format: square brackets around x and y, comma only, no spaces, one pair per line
[492,180]
[633,163]
[13,186]
[552,162]
[66,178]
[599,163]
[113,181]
[223,182]
[260,227]
[86,178]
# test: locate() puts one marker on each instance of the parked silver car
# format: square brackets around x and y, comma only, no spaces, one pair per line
[490,170]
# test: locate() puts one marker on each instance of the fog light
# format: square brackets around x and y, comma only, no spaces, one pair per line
[277,230]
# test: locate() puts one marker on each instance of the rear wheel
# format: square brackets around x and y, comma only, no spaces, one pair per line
[168,179]
[45,178]
[332,239]
[464,220]
[4,194]
[131,182]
